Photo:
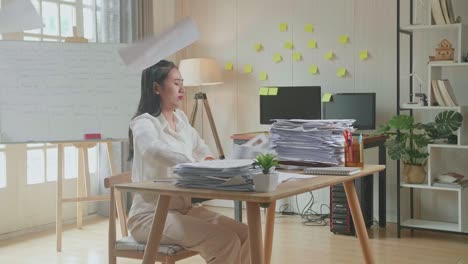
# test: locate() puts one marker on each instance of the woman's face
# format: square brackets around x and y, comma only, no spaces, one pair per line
[171,91]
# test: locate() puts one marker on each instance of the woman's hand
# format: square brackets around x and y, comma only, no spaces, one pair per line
[209,158]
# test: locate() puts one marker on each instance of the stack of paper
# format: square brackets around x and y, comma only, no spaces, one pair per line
[230,175]
[311,141]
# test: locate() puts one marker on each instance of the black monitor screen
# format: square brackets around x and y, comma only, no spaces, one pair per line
[298,102]
[359,106]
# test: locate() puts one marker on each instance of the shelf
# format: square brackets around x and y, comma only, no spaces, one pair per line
[427,224]
[419,107]
[413,28]
[455,64]
[450,146]
[428,187]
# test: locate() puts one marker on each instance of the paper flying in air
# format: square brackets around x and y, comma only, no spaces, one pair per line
[18,16]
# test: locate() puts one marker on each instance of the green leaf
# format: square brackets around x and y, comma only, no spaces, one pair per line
[401,122]
[447,122]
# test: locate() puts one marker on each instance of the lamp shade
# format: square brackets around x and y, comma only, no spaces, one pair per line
[200,72]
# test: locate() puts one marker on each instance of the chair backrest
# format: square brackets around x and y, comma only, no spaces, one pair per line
[125,177]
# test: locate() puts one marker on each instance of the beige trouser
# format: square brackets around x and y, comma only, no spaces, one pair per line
[218,239]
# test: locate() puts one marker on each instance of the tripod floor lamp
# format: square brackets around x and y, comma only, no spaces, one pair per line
[202,72]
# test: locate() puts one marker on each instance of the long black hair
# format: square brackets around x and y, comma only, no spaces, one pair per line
[150,102]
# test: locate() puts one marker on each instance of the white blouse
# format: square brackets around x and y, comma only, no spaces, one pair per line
[157,148]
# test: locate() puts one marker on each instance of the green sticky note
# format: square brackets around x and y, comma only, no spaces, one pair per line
[288,45]
[363,55]
[326,97]
[228,66]
[329,55]
[297,56]
[277,57]
[344,39]
[248,68]
[263,91]
[313,69]
[312,44]
[309,28]
[341,72]
[258,47]
[263,76]
[283,27]
[273,91]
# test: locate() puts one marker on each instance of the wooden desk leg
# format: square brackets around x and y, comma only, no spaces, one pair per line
[80,188]
[269,228]
[59,196]
[255,233]
[358,221]
[157,227]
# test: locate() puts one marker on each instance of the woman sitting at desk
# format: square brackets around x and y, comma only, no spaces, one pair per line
[160,137]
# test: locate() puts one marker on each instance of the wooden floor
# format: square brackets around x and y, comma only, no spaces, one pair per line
[293,243]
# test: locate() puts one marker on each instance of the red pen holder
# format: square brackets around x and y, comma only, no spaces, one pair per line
[354,155]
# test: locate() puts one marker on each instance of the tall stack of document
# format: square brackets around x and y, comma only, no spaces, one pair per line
[310,141]
[229,175]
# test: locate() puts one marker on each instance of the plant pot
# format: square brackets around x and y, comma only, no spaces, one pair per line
[414,174]
[265,182]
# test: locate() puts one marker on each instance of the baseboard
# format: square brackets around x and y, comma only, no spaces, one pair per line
[41,228]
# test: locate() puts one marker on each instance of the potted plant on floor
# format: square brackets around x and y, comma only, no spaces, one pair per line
[407,141]
[268,179]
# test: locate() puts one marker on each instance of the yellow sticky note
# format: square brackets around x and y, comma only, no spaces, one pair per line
[263,91]
[344,39]
[309,28]
[273,91]
[313,69]
[258,47]
[363,55]
[263,76]
[248,68]
[288,45]
[329,55]
[297,56]
[341,72]
[283,27]
[228,66]
[326,97]
[277,57]
[312,44]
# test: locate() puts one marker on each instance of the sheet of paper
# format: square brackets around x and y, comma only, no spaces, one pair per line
[313,69]
[297,56]
[309,28]
[283,27]
[277,58]
[248,68]
[18,16]
[341,72]
[145,53]
[273,91]
[312,44]
[326,97]
[258,47]
[363,55]
[263,76]
[228,66]
[329,55]
[288,45]
[263,91]
[344,39]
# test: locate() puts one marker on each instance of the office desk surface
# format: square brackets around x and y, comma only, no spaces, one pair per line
[284,190]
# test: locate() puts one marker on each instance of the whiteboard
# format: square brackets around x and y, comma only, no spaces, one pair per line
[60,91]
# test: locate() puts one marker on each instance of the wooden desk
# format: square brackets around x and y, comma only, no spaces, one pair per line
[259,254]
[369,142]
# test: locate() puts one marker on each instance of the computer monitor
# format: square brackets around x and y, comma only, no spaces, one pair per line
[359,106]
[292,102]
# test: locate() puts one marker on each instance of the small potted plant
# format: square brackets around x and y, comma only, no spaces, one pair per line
[407,140]
[268,179]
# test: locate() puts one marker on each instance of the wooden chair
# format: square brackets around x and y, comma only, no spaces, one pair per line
[127,247]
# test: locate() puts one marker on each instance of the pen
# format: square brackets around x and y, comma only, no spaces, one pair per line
[361,150]
[350,136]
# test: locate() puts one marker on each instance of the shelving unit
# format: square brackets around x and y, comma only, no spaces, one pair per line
[443,157]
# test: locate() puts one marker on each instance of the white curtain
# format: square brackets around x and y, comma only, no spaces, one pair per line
[136,18]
